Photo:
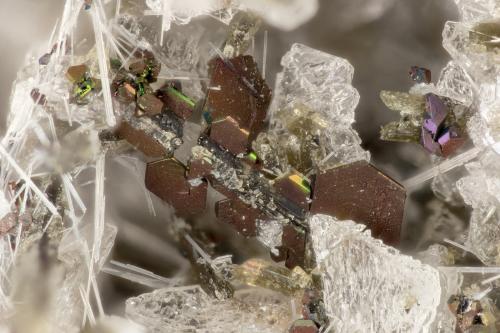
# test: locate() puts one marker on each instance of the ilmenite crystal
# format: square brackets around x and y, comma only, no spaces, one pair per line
[360,192]
[368,286]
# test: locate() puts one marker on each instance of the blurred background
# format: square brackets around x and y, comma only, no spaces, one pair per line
[380,38]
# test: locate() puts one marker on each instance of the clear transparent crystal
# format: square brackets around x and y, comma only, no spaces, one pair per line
[368,286]
[455,83]
[190,309]
[478,10]
[314,96]
[436,255]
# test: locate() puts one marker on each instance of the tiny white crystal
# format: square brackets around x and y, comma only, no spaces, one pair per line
[368,286]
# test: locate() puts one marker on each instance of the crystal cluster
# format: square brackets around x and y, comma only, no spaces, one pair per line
[190,109]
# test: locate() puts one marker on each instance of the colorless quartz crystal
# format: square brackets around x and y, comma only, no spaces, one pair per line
[368,286]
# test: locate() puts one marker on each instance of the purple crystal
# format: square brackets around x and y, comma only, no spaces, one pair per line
[430,126]
[429,144]
[443,139]
[435,108]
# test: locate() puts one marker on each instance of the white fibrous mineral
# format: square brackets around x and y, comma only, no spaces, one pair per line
[313,93]
[368,286]
[190,309]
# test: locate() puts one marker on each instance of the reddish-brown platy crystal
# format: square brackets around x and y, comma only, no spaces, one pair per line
[141,140]
[292,191]
[177,102]
[242,93]
[228,134]
[167,180]
[241,216]
[198,168]
[77,73]
[293,247]
[149,104]
[362,193]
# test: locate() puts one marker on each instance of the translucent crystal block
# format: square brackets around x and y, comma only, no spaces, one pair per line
[481,190]
[436,255]
[478,10]
[189,309]
[444,185]
[455,83]
[482,186]
[463,44]
[313,95]
[368,286]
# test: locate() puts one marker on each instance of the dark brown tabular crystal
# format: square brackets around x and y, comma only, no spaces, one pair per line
[198,168]
[361,193]
[241,216]
[177,102]
[167,180]
[77,73]
[141,140]
[150,104]
[228,134]
[293,247]
[243,94]
[289,189]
